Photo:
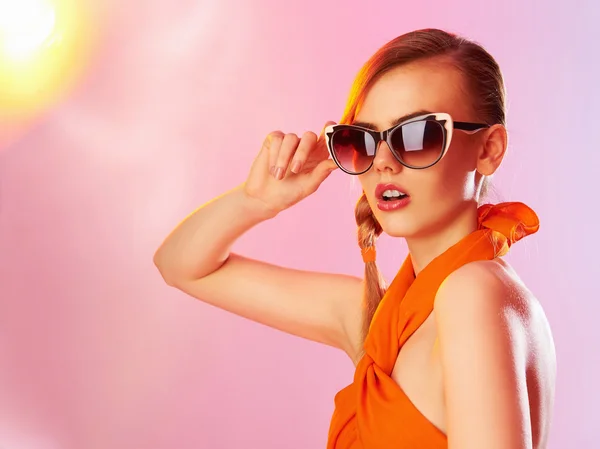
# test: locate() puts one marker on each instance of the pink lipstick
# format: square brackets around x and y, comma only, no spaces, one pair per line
[391,197]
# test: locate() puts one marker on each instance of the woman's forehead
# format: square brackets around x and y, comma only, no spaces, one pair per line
[406,90]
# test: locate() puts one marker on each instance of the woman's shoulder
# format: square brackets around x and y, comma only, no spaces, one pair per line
[489,293]
[491,282]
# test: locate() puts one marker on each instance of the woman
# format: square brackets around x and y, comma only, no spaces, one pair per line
[458,354]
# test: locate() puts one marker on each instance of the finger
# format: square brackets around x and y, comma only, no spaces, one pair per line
[328,123]
[274,139]
[322,142]
[261,161]
[319,152]
[322,139]
[287,150]
[319,174]
[306,145]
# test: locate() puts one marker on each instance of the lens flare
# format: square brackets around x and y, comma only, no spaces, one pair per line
[25,26]
[43,48]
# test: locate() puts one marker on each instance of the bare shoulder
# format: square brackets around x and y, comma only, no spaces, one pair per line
[490,293]
[487,286]
[494,336]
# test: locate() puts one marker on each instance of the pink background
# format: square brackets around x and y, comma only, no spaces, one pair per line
[97,352]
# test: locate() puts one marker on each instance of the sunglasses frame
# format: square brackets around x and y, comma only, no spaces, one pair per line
[445,120]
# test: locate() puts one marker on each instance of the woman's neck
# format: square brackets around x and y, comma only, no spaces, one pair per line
[424,248]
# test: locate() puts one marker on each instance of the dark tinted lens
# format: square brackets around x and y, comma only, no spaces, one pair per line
[353,149]
[419,144]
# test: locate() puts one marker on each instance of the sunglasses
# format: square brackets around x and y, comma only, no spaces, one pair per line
[417,143]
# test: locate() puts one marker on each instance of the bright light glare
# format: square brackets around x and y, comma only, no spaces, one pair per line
[25,25]
[43,47]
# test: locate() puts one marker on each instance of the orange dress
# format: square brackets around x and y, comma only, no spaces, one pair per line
[373,412]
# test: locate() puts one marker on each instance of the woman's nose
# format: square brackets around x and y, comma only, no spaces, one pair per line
[385,160]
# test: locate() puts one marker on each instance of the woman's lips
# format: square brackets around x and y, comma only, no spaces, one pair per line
[380,188]
[391,204]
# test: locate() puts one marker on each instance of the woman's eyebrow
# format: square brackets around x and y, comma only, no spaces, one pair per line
[395,122]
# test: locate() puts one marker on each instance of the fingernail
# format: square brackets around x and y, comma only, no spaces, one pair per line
[279,173]
[296,166]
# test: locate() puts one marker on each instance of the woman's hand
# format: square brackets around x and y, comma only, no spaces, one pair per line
[288,169]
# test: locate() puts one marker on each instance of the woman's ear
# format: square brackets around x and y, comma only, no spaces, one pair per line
[495,143]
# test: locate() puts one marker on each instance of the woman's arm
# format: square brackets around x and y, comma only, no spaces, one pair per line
[483,344]
[195,258]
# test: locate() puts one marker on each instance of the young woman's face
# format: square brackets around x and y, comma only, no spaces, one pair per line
[439,193]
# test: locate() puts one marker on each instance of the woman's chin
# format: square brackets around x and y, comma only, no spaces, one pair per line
[395,229]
